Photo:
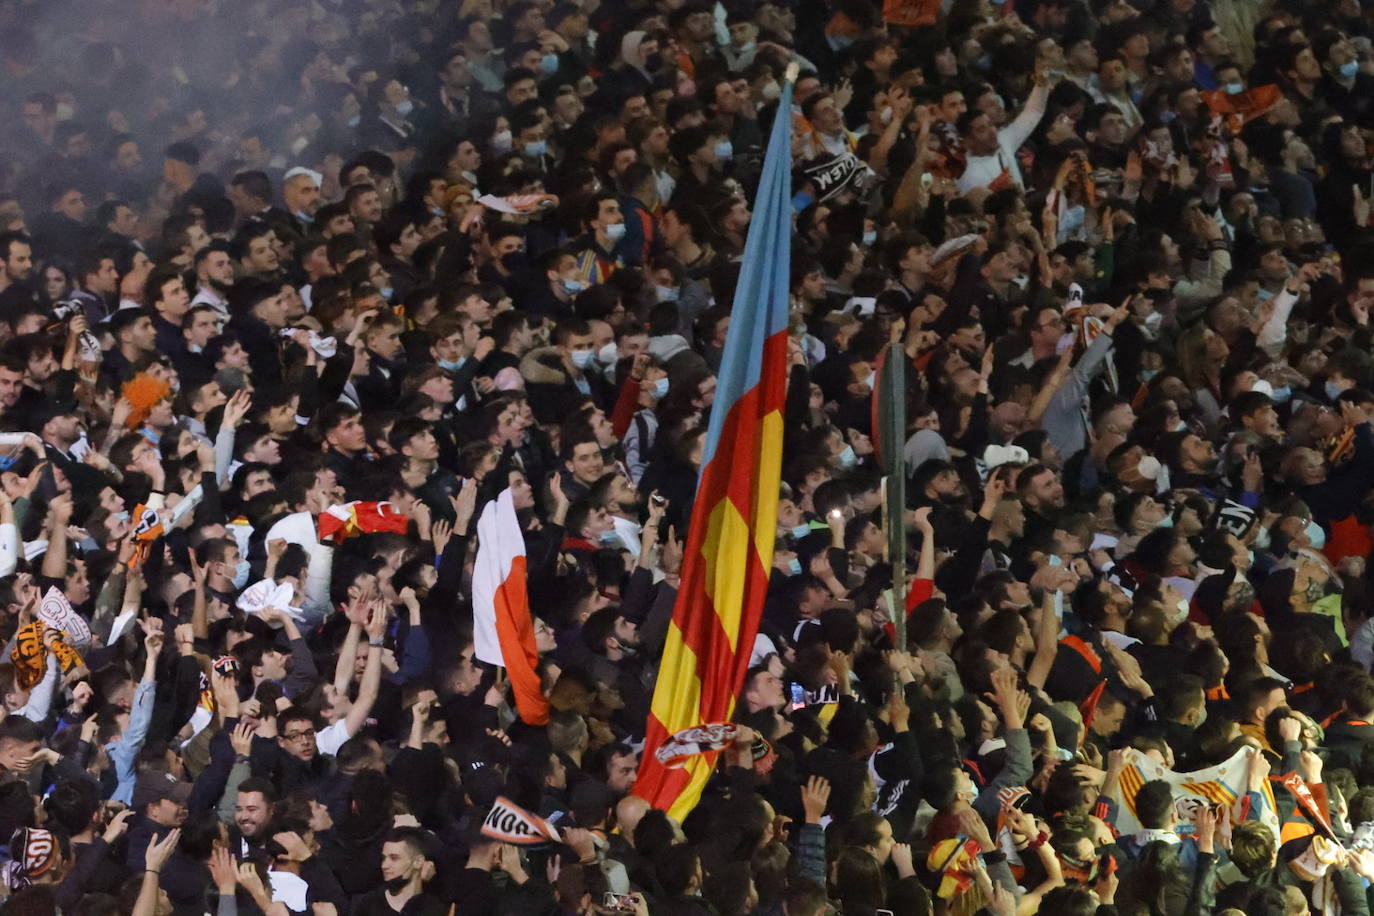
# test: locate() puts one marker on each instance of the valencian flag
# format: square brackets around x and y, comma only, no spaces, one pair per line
[730,542]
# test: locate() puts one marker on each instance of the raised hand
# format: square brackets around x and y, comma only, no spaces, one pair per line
[159,851]
[441,534]
[1205,818]
[815,796]
[236,409]
[241,739]
[117,825]
[223,872]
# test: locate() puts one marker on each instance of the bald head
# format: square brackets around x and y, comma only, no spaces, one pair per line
[628,813]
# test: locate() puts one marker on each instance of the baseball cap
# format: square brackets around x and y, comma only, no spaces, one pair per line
[154,786]
[48,408]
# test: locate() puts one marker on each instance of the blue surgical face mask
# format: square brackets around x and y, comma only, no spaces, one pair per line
[1147,374]
[355,120]
[667,293]
[549,63]
[1166,522]
[1282,395]
[1350,68]
[386,292]
[725,150]
[536,148]
[583,359]
[847,457]
[1265,295]
[871,237]
[800,531]
[1316,536]
[615,232]
[240,578]
[122,516]
[1166,116]
[1332,390]
[501,141]
[573,286]
[661,388]
[405,108]
[610,537]
[452,365]
[794,567]
[1235,88]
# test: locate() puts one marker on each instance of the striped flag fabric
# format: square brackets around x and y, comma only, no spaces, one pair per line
[730,539]
[1223,784]
[502,624]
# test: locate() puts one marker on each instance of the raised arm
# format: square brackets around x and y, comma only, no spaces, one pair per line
[343,669]
[1046,643]
[372,674]
[159,851]
[55,559]
[925,564]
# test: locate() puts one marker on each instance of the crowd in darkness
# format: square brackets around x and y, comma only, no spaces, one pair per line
[260,260]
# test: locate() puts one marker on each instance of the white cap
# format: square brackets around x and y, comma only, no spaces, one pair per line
[302,170]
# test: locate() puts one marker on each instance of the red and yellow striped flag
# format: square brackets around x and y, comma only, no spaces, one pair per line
[730,542]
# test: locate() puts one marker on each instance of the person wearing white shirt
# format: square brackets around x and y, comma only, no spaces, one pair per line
[991,159]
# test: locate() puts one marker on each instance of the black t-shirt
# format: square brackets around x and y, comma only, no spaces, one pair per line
[374,903]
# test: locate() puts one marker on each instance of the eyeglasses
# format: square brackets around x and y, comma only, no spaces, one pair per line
[308,734]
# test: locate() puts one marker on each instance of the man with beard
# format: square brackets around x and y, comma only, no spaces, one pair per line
[1192,462]
[16,264]
[253,808]
[214,276]
[936,484]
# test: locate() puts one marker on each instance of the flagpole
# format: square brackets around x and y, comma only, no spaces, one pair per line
[893,416]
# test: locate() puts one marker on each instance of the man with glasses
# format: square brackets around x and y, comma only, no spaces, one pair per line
[1043,327]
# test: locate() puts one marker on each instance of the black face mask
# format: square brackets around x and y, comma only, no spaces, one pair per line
[396,885]
[653,62]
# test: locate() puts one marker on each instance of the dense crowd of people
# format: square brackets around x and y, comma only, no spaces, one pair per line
[290,292]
